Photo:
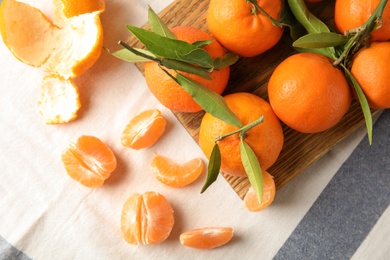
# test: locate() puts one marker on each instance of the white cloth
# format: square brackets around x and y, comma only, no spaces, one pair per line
[47,215]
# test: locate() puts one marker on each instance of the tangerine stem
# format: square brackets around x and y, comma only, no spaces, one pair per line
[243,130]
[362,33]
[258,7]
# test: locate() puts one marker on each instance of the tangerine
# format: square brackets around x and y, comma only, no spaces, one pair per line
[206,238]
[89,161]
[242,29]
[170,93]
[146,218]
[250,200]
[175,174]
[265,139]
[308,93]
[144,130]
[351,14]
[370,69]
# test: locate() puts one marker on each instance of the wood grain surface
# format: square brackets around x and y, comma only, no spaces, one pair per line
[252,75]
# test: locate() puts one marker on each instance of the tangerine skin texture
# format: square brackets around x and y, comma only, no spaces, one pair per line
[308,93]
[370,68]
[266,139]
[170,93]
[232,23]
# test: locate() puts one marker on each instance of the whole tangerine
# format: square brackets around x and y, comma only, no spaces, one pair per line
[242,29]
[265,139]
[170,93]
[370,67]
[351,14]
[308,93]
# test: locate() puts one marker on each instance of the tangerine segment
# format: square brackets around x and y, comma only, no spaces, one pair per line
[174,174]
[144,130]
[59,100]
[250,200]
[146,218]
[89,161]
[206,238]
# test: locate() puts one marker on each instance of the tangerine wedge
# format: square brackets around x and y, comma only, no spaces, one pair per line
[250,200]
[175,174]
[206,238]
[144,130]
[89,161]
[146,218]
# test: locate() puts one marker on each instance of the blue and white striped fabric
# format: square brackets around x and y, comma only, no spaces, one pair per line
[336,209]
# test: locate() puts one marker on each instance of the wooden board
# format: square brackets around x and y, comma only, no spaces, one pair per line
[251,75]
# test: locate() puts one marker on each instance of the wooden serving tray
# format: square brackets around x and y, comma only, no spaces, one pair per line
[251,75]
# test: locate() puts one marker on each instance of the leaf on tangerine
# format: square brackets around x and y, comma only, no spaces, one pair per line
[213,167]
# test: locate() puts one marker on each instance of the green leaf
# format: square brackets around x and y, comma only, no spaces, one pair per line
[158,26]
[186,67]
[320,40]
[363,102]
[197,56]
[204,43]
[210,101]
[171,48]
[128,56]
[311,23]
[225,61]
[287,18]
[252,168]
[213,167]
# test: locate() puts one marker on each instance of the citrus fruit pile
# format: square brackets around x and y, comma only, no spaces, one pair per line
[188,70]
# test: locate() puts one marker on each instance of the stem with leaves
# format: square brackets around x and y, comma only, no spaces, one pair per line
[248,157]
[340,48]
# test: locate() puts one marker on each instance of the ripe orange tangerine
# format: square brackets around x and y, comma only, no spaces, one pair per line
[371,70]
[206,238]
[351,14]
[146,218]
[175,174]
[310,99]
[250,200]
[242,29]
[89,161]
[265,139]
[170,93]
[144,130]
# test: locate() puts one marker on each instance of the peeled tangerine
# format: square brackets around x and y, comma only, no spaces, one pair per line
[146,218]
[65,47]
[89,161]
